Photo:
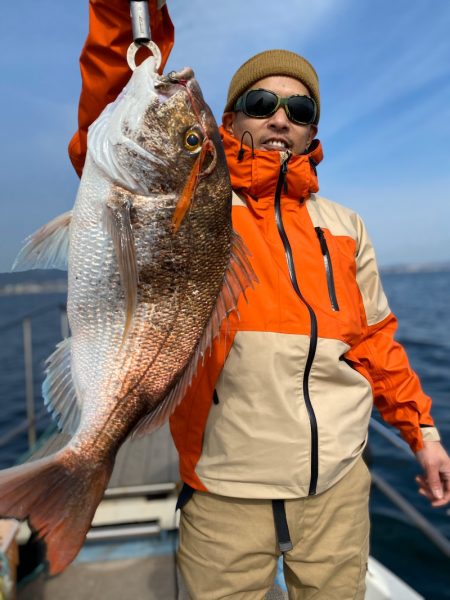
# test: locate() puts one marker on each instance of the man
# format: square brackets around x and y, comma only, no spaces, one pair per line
[282,414]
[271,432]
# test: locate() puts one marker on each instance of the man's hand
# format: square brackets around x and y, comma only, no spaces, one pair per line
[435,482]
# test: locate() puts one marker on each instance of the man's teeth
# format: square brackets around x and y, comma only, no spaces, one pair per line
[278,143]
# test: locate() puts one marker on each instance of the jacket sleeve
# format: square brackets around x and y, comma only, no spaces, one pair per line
[103,63]
[398,394]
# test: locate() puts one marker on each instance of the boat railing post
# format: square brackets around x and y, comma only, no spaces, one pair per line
[29,386]
[413,515]
[64,322]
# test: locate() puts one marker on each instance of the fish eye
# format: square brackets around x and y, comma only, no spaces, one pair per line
[192,141]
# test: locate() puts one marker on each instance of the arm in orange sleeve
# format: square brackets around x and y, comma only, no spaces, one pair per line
[103,63]
[396,388]
[402,403]
[398,394]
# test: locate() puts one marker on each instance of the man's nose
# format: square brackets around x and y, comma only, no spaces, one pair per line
[279,119]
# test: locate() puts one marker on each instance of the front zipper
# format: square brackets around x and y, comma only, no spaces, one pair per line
[328,268]
[313,338]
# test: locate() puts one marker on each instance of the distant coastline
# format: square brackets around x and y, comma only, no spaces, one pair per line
[55,282]
[46,287]
[443,267]
[33,282]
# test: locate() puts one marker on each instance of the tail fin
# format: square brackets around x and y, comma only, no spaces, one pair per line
[58,495]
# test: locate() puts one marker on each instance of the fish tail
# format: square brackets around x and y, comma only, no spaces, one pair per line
[58,495]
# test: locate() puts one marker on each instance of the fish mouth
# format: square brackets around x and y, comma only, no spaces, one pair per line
[185,78]
[182,77]
[170,84]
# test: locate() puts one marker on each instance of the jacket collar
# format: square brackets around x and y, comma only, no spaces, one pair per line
[255,172]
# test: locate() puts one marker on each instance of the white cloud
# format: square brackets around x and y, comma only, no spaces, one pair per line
[413,53]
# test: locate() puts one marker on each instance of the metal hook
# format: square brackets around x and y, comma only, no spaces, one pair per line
[134,47]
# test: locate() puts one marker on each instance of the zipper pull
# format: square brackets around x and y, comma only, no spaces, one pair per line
[323,243]
[284,157]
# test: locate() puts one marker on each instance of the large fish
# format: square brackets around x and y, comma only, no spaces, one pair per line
[153,268]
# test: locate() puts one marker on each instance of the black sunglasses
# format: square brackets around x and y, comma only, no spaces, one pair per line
[260,103]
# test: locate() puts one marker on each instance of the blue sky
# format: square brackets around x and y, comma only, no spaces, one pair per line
[384,69]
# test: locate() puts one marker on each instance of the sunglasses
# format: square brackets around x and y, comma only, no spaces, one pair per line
[259,103]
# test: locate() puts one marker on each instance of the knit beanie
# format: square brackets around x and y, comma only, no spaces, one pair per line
[273,62]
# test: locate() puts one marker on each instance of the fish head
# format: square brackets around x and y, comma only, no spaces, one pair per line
[149,140]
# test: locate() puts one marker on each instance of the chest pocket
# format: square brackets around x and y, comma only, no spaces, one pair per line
[328,266]
[340,271]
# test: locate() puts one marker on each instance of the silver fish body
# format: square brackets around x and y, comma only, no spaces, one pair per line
[153,268]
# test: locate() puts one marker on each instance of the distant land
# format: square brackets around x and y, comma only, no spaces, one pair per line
[54,281]
[33,282]
[441,267]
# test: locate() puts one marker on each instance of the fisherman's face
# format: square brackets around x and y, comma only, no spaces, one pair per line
[276,132]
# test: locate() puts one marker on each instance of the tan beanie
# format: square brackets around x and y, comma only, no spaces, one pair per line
[273,62]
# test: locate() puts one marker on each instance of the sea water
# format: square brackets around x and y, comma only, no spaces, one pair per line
[421,303]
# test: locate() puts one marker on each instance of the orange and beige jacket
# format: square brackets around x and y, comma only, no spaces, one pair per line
[281,406]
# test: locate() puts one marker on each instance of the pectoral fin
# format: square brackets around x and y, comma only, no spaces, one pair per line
[47,248]
[118,225]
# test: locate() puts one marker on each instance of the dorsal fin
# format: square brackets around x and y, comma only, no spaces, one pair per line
[238,276]
[46,248]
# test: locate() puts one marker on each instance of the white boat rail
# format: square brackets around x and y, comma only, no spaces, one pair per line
[25,322]
[413,515]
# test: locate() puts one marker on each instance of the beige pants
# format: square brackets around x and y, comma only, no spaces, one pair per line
[228,546]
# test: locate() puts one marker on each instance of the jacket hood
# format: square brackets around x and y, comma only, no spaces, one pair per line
[255,172]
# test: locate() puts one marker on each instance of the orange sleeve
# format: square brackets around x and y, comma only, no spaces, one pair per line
[398,394]
[103,63]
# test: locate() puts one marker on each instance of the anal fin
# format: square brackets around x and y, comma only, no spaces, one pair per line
[59,390]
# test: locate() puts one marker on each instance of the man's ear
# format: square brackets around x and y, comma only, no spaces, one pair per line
[312,133]
[228,121]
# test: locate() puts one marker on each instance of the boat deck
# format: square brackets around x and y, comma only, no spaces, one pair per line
[144,480]
[150,578]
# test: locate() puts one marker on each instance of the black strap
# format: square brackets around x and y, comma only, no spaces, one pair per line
[281,526]
[279,517]
[185,495]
